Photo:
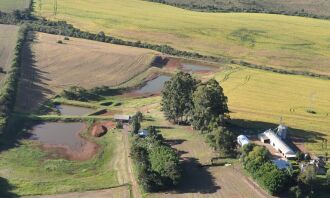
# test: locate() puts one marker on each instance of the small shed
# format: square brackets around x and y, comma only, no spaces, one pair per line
[122,118]
[242,140]
[282,164]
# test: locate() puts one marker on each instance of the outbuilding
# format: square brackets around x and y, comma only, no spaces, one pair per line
[269,137]
[242,140]
[143,133]
[122,118]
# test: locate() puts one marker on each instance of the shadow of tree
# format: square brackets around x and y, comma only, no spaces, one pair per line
[6,188]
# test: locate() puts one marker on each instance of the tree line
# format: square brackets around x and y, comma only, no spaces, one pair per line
[9,86]
[157,163]
[202,7]
[203,105]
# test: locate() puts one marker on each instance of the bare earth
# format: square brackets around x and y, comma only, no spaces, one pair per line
[49,67]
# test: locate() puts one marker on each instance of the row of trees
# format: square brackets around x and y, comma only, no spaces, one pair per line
[82,94]
[232,7]
[186,100]
[157,163]
[9,86]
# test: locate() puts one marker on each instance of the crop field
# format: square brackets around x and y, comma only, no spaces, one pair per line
[286,42]
[10,5]
[8,37]
[259,99]
[291,7]
[50,67]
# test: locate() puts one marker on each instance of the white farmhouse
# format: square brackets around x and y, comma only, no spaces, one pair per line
[242,140]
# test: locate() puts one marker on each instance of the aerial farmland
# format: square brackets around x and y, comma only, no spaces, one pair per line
[148,98]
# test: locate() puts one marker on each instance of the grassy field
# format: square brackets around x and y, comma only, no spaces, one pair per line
[291,7]
[49,67]
[35,173]
[294,43]
[259,98]
[8,37]
[10,5]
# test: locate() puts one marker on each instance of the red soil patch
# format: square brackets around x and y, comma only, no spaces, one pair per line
[101,128]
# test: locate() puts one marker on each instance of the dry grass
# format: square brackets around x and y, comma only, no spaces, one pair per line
[50,67]
[8,38]
[10,5]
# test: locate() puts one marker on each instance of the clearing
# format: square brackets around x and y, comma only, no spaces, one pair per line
[10,5]
[50,67]
[287,42]
[8,39]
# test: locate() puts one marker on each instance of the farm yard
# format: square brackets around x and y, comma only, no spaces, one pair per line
[10,5]
[50,67]
[286,42]
[8,37]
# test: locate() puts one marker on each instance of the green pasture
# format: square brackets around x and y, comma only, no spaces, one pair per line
[10,5]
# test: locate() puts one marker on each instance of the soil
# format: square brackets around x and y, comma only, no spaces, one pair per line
[101,128]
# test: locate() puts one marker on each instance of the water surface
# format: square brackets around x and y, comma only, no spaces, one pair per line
[196,68]
[64,134]
[70,110]
[154,86]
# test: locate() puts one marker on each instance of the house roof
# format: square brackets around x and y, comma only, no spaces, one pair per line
[122,117]
[281,164]
[279,143]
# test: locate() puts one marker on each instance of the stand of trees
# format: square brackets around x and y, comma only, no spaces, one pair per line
[9,87]
[186,100]
[82,94]
[256,161]
[157,163]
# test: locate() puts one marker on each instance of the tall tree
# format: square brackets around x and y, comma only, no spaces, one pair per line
[177,97]
[222,140]
[210,105]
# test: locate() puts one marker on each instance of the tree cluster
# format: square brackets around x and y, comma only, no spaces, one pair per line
[9,87]
[264,171]
[158,166]
[82,94]
[203,105]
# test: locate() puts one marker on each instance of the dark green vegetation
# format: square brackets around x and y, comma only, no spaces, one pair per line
[257,162]
[84,95]
[8,90]
[306,8]
[157,164]
[186,100]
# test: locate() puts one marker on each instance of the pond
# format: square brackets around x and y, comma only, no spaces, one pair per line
[70,110]
[153,86]
[59,134]
[196,68]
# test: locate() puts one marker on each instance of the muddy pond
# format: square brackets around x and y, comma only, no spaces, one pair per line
[153,86]
[64,140]
[70,110]
[196,68]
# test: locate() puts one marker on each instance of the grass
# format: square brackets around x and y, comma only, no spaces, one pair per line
[10,5]
[8,37]
[36,174]
[258,99]
[286,42]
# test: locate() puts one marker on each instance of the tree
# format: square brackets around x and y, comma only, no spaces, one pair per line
[308,176]
[136,125]
[177,97]
[139,116]
[210,105]
[328,176]
[222,140]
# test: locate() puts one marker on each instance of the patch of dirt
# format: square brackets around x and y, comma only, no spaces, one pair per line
[101,128]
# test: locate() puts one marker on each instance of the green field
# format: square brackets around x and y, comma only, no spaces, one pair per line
[294,43]
[10,5]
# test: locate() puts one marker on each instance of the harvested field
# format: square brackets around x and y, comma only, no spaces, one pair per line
[10,5]
[8,38]
[286,42]
[50,67]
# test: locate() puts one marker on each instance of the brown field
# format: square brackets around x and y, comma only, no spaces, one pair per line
[49,67]
[8,37]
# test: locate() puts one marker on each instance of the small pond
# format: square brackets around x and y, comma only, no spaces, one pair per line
[196,68]
[153,86]
[59,134]
[69,110]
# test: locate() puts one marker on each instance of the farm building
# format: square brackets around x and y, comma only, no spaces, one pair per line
[281,164]
[269,137]
[122,118]
[242,140]
[143,133]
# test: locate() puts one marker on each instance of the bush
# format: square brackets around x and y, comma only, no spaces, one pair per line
[80,94]
[60,42]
